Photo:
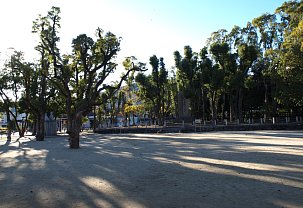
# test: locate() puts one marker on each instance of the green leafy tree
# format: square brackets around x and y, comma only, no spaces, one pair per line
[290,70]
[235,53]
[226,61]
[247,55]
[270,42]
[81,76]
[5,107]
[188,79]
[171,95]
[153,87]
[11,89]
[214,89]
[39,91]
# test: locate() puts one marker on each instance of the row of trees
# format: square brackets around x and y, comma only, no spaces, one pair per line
[257,68]
[69,83]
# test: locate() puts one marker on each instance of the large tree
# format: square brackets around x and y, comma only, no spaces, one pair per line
[188,79]
[270,43]
[153,87]
[291,56]
[12,89]
[235,53]
[225,60]
[38,93]
[81,76]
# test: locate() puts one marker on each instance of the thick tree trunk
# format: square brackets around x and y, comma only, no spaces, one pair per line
[21,134]
[74,127]
[230,112]
[273,96]
[134,119]
[213,106]
[203,105]
[20,129]
[9,125]
[34,132]
[40,128]
[266,99]
[240,103]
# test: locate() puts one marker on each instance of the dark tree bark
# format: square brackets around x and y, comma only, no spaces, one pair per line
[89,65]
[34,129]
[240,104]
[9,125]
[74,127]
[40,129]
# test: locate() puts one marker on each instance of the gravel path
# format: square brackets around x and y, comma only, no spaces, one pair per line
[218,169]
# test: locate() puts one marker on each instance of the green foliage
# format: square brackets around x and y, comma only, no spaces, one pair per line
[153,88]
[291,61]
[255,67]
[85,119]
[13,81]
[189,78]
[79,77]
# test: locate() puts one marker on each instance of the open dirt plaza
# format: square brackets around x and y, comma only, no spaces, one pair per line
[218,169]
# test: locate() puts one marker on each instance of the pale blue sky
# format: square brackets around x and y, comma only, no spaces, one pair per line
[147,26]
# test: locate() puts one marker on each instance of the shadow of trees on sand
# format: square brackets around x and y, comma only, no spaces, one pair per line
[227,169]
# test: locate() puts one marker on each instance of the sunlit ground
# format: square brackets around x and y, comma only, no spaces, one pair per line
[223,169]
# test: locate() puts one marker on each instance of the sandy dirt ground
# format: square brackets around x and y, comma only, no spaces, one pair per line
[212,170]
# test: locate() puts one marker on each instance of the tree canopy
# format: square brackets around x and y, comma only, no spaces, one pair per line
[256,69]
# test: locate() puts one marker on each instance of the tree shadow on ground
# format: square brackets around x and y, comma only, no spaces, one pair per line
[276,134]
[13,142]
[155,170]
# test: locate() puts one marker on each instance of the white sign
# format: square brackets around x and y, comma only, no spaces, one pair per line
[198,121]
